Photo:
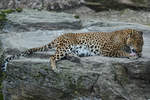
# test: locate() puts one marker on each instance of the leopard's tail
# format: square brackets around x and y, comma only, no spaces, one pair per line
[27,52]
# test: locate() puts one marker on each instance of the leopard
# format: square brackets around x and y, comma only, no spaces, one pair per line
[125,43]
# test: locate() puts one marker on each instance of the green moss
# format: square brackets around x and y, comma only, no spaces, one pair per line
[8,11]
[2,17]
[124,11]
[1,96]
[147,24]
[19,9]
[139,1]
[76,16]
[2,76]
[3,14]
[40,9]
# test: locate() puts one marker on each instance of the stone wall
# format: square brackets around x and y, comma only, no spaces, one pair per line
[99,5]
[40,4]
[67,4]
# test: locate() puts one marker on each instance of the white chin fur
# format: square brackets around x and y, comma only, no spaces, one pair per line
[133,54]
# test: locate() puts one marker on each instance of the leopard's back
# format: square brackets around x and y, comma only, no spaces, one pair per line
[83,44]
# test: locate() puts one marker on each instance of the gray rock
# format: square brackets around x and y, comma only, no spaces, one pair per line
[125,15]
[87,78]
[90,77]
[44,20]
[99,5]
[61,4]
[41,4]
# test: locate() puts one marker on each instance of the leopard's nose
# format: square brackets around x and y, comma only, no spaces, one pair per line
[133,50]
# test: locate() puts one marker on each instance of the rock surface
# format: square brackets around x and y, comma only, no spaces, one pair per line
[41,4]
[99,5]
[124,15]
[43,20]
[87,78]
[59,5]
[94,78]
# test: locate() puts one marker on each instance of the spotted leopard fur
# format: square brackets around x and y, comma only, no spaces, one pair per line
[123,43]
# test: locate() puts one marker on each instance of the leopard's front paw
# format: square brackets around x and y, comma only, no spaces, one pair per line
[56,70]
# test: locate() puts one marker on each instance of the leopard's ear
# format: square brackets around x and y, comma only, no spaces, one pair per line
[130,33]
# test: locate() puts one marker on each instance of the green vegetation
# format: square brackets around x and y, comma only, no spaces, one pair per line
[3,14]
[19,9]
[139,1]
[7,11]
[147,24]
[1,96]
[2,19]
[2,76]
[76,16]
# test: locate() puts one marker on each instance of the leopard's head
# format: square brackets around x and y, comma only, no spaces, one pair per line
[135,41]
